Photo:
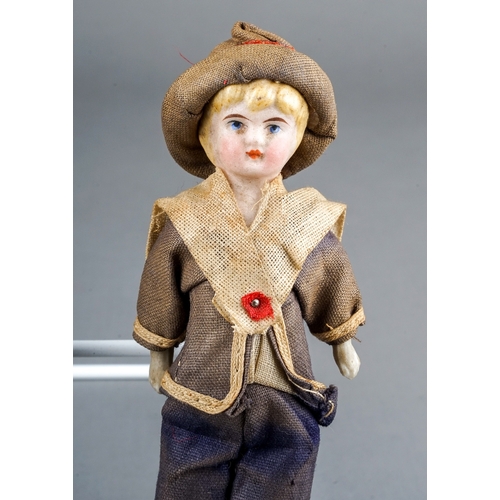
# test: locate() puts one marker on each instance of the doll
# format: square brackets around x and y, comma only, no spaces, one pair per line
[235,266]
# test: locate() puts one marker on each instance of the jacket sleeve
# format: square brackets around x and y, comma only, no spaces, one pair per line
[162,308]
[328,294]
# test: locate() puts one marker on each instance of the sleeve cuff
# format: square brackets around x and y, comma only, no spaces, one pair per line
[151,340]
[345,331]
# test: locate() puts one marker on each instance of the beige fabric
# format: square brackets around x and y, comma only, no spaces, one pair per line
[236,260]
[236,62]
[264,368]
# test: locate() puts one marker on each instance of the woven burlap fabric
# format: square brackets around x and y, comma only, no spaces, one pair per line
[268,451]
[234,62]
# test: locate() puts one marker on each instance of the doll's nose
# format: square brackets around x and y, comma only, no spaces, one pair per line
[256,138]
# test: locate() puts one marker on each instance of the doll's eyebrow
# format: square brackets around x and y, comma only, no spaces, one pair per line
[236,116]
[276,119]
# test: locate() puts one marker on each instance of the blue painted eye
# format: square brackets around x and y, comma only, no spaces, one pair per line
[274,129]
[235,125]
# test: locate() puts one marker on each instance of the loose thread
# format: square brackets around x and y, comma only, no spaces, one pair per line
[185,58]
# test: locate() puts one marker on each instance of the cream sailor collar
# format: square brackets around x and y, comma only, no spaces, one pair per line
[237,260]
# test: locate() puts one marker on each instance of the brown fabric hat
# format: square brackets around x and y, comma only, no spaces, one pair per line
[250,54]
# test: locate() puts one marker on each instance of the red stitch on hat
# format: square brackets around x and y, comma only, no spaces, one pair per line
[265,42]
[257,306]
[225,82]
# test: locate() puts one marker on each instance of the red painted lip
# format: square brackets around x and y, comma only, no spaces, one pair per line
[254,154]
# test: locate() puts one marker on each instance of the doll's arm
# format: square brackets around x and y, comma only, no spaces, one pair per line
[160,363]
[347,359]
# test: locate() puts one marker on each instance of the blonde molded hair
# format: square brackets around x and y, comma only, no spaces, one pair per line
[257,95]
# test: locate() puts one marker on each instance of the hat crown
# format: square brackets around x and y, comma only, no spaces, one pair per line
[245,32]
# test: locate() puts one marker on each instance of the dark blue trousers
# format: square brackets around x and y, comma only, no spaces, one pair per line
[266,451]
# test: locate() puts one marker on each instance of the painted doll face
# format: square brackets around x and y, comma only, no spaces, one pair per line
[252,144]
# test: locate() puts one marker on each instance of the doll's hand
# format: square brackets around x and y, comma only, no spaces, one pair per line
[347,359]
[160,363]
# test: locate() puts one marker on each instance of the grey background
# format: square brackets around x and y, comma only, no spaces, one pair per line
[125,58]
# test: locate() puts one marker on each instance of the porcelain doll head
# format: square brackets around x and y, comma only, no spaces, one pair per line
[252,130]
[251,55]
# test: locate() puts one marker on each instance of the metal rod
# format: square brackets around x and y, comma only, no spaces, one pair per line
[107,348]
[111,349]
[110,372]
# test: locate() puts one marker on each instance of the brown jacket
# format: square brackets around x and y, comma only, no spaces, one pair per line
[202,261]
